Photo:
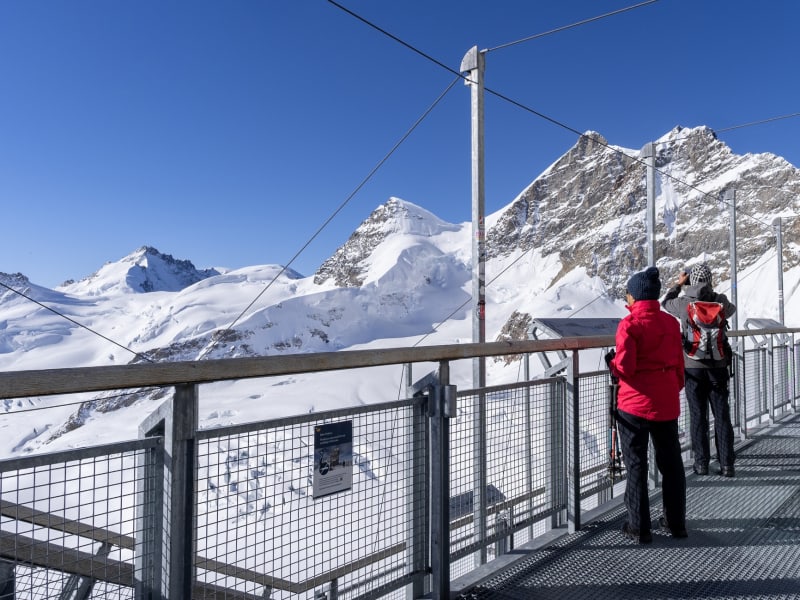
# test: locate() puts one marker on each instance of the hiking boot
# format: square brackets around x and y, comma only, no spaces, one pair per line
[677,532]
[700,469]
[640,537]
[727,471]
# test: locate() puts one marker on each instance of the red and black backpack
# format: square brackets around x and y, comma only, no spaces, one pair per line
[705,338]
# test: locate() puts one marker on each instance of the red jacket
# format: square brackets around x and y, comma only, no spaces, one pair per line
[649,362]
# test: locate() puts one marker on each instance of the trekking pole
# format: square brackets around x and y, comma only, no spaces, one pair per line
[614,455]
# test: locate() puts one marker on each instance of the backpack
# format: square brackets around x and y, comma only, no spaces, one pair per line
[705,338]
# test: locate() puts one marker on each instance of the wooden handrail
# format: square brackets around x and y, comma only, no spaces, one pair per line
[47,382]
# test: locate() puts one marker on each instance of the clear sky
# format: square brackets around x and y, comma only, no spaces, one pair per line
[228,132]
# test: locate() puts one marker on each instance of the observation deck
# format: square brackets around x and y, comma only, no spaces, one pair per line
[744,540]
[498,492]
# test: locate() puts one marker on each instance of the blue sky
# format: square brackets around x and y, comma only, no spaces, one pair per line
[228,132]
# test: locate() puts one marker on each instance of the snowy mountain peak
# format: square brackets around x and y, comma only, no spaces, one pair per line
[142,271]
[588,208]
[15,281]
[564,247]
[347,266]
[401,216]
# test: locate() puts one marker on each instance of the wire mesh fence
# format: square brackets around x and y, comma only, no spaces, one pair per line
[508,442]
[69,523]
[333,504]
[756,397]
[281,512]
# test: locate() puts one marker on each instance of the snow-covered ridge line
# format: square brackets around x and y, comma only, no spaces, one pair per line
[563,247]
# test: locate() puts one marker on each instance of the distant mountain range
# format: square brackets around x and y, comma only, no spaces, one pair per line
[564,247]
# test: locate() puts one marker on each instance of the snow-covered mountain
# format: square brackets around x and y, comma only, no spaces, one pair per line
[564,247]
[146,270]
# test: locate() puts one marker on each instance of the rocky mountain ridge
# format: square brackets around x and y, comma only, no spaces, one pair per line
[589,208]
[404,275]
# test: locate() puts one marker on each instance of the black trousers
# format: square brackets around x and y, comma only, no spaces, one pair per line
[704,388]
[634,433]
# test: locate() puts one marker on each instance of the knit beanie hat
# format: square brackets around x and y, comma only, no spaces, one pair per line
[700,274]
[645,285]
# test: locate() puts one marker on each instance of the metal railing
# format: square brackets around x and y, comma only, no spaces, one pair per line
[439,482]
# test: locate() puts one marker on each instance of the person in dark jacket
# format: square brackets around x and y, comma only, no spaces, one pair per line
[707,379]
[648,361]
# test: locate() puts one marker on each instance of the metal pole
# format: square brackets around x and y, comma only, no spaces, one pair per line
[473,63]
[649,153]
[7,580]
[528,442]
[730,197]
[769,369]
[737,345]
[183,504]
[441,406]
[418,473]
[556,484]
[574,454]
[152,507]
[779,251]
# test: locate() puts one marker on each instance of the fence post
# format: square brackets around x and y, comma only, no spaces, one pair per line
[793,360]
[418,553]
[7,579]
[556,451]
[479,496]
[573,445]
[503,523]
[528,444]
[739,387]
[182,465]
[770,372]
[441,407]
[150,511]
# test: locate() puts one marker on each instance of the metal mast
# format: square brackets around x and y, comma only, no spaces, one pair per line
[649,153]
[473,64]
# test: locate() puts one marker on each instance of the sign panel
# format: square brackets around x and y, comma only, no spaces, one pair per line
[561,328]
[333,458]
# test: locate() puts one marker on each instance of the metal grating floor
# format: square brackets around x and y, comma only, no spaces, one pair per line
[744,541]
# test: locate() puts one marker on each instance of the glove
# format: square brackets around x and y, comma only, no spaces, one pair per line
[609,357]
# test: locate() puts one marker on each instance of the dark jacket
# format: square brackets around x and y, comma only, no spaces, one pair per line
[676,304]
[649,363]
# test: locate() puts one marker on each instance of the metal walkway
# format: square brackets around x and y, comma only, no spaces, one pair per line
[744,540]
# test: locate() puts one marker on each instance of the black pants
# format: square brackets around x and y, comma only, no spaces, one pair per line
[706,387]
[634,433]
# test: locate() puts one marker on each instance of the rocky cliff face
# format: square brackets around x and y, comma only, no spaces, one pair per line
[589,208]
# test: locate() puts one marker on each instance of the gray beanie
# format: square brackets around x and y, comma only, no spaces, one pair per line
[700,274]
[645,285]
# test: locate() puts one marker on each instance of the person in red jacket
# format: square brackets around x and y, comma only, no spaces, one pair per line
[648,361]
